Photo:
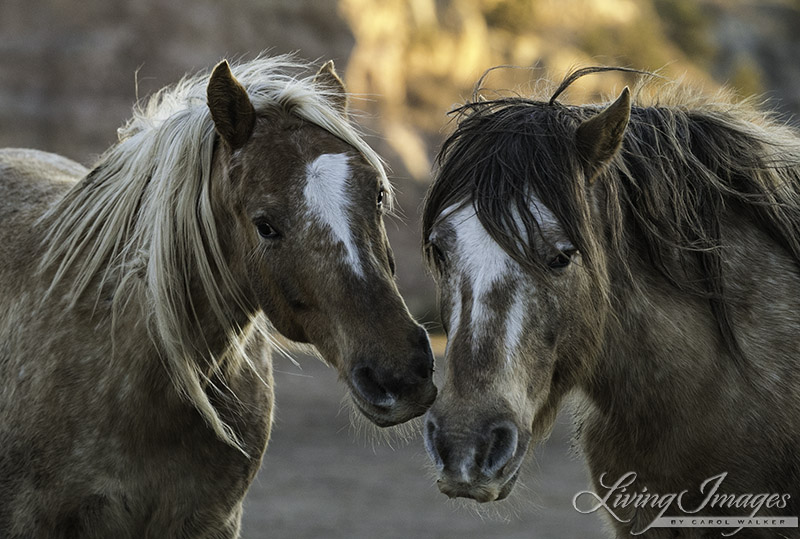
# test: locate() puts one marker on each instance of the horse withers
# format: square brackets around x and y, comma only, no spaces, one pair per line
[139,299]
[645,259]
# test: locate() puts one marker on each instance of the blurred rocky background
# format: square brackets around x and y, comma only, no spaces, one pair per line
[71,70]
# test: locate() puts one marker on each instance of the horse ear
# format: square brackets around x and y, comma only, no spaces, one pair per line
[233,113]
[327,78]
[599,138]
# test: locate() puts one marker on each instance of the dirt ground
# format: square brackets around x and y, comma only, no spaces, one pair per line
[321,478]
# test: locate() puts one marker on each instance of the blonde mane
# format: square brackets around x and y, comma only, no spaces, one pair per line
[142,220]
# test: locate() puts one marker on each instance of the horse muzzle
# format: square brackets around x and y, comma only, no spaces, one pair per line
[481,464]
[389,397]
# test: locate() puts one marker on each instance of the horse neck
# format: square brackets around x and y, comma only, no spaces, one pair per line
[655,332]
[216,315]
[126,308]
[211,335]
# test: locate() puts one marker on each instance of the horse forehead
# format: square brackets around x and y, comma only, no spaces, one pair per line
[328,189]
[548,222]
[481,257]
[477,250]
[328,171]
[328,195]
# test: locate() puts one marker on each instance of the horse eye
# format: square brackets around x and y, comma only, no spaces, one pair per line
[380,199]
[562,259]
[266,231]
[437,253]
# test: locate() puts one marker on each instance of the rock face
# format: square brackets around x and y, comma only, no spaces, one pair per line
[69,72]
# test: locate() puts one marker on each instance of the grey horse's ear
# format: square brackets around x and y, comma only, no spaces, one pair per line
[599,138]
[233,113]
[328,79]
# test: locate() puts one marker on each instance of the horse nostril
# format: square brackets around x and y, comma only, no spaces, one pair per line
[502,446]
[369,388]
[430,443]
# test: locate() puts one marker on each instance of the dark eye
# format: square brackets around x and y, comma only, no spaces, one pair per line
[562,259]
[380,199]
[266,231]
[437,254]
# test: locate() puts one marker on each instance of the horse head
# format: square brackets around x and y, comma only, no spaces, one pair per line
[302,218]
[521,300]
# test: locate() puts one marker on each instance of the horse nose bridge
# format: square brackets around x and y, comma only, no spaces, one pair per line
[379,325]
[374,299]
[371,314]
[473,369]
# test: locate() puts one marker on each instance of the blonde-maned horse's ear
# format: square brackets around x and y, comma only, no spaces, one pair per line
[599,138]
[328,79]
[233,113]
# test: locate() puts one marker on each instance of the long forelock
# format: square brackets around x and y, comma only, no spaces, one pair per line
[506,158]
[144,215]
[308,101]
[685,158]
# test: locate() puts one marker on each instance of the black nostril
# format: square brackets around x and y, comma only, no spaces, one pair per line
[431,443]
[502,444]
[369,388]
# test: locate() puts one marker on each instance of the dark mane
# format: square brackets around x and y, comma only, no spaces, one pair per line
[682,167]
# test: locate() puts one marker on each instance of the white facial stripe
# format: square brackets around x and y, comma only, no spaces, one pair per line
[482,259]
[485,263]
[515,323]
[328,199]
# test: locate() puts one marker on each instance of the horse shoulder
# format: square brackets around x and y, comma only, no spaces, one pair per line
[131,454]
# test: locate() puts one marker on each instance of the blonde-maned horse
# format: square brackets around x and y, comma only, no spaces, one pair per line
[138,299]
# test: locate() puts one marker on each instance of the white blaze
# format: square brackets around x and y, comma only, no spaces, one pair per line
[485,263]
[482,260]
[515,323]
[328,199]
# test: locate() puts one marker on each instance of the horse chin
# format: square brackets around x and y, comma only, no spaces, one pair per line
[385,417]
[379,417]
[491,491]
[481,493]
